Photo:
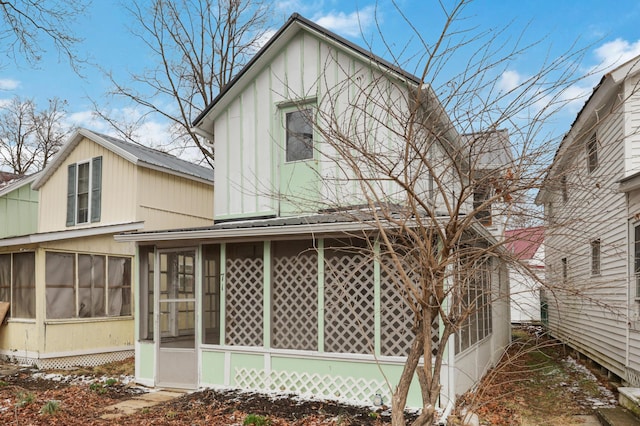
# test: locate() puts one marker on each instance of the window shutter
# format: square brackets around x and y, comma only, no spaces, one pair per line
[96,188]
[71,195]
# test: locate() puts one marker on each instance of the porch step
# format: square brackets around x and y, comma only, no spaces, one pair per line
[616,416]
[627,414]
[130,406]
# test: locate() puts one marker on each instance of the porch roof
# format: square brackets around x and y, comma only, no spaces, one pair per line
[316,224]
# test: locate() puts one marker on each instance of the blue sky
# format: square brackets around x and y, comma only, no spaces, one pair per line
[611,32]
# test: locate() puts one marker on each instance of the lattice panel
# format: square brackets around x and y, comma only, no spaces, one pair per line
[295,302]
[349,299]
[396,317]
[348,389]
[61,363]
[633,377]
[244,297]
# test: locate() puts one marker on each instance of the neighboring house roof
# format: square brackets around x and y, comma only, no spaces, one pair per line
[286,32]
[7,177]
[490,149]
[17,182]
[70,233]
[524,242]
[601,92]
[136,154]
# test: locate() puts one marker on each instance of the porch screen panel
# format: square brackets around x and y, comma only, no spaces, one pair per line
[295,296]
[91,286]
[119,286]
[349,298]
[146,302]
[211,295]
[24,285]
[396,317]
[5,277]
[244,294]
[59,283]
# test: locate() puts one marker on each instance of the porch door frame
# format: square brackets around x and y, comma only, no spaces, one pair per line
[171,376]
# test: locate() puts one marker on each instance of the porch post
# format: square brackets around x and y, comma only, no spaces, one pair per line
[377,338]
[266,311]
[223,291]
[320,294]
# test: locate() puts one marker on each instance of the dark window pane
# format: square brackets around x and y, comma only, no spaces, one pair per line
[299,135]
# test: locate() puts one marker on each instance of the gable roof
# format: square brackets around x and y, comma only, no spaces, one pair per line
[294,24]
[136,154]
[524,242]
[600,93]
[17,182]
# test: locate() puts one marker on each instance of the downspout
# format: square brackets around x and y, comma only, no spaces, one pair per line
[451,380]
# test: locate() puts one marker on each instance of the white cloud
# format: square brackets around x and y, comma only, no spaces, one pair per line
[8,84]
[615,53]
[149,132]
[351,25]
[510,80]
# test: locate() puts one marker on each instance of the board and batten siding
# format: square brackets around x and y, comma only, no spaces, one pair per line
[19,212]
[591,317]
[118,193]
[167,201]
[250,135]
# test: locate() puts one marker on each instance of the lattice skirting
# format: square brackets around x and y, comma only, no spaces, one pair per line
[89,360]
[633,377]
[347,389]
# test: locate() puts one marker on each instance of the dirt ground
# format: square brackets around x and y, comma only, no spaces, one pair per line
[537,383]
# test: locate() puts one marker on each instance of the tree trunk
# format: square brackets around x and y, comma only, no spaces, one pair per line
[399,397]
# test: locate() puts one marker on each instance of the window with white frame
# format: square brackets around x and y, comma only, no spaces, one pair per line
[84,192]
[80,285]
[595,257]
[18,283]
[299,135]
[476,304]
[592,153]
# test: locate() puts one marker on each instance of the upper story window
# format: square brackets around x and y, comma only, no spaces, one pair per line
[481,205]
[299,144]
[84,192]
[564,189]
[595,257]
[592,153]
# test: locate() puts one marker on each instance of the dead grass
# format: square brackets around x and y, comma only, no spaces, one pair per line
[536,383]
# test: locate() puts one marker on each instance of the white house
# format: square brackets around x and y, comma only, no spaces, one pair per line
[525,277]
[592,228]
[277,294]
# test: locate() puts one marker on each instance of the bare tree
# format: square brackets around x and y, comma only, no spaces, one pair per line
[437,165]
[26,25]
[30,137]
[197,47]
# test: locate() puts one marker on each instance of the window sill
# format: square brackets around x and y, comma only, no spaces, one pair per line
[87,320]
[21,320]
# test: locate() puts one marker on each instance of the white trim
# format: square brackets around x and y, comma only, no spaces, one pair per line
[72,233]
[227,368]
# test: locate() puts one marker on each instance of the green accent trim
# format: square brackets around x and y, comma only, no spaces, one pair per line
[147,355]
[274,137]
[223,291]
[242,191]
[376,298]
[256,163]
[227,160]
[266,308]
[321,295]
[212,367]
